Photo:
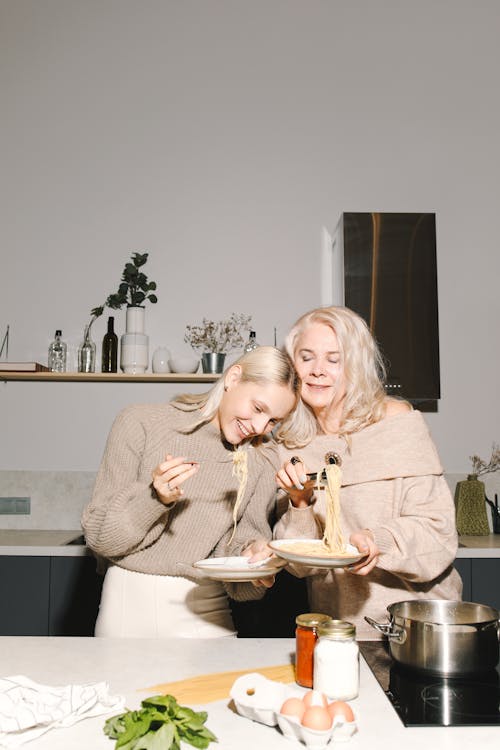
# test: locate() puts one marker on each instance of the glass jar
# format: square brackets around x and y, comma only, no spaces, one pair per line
[336,661]
[305,641]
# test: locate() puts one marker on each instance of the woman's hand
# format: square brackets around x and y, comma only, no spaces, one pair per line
[293,479]
[170,474]
[256,551]
[364,542]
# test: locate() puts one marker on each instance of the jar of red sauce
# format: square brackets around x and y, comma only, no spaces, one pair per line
[305,640]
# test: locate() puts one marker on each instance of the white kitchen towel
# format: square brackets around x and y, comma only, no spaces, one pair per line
[28,709]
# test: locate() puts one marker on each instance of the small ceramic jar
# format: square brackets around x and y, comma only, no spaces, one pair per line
[160,360]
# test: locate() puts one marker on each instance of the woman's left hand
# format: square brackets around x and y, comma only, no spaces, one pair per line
[256,551]
[364,542]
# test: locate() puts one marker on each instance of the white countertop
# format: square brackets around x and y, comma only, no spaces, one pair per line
[129,665]
[55,543]
[34,542]
[479,546]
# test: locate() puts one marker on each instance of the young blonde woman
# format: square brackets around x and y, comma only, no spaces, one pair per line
[184,481]
[395,505]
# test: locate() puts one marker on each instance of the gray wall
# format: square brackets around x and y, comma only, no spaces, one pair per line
[221,136]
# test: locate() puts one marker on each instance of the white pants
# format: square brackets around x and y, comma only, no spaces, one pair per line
[140,605]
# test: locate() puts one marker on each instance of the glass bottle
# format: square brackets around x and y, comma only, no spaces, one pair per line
[251,343]
[336,660]
[305,641]
[86,353]
[109,360]
[57,354]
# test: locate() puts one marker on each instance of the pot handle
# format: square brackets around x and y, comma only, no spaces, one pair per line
[393,633]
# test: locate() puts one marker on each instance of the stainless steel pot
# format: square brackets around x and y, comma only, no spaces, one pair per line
[444,637]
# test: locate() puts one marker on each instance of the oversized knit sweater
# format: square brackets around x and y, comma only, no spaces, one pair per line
[392,484]
[128,525]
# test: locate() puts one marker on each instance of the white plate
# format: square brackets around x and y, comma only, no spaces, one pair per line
[318,560]
[238,569]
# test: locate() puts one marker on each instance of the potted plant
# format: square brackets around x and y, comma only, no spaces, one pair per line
[133,291]
[215,339]
[470,498]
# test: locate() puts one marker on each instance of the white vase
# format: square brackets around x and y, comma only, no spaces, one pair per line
[134,344]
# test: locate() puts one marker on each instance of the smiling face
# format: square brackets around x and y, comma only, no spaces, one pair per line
[251,408]
[318,361]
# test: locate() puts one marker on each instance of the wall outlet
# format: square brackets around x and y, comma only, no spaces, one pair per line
[15,506]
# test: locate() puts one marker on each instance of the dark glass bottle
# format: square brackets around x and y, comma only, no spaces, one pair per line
[110,349]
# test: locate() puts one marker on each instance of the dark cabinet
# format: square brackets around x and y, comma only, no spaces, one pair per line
[75,592]
[24,593]
[49,595]
[481,577]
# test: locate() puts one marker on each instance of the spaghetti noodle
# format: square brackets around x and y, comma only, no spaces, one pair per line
[240,471]
[333,539]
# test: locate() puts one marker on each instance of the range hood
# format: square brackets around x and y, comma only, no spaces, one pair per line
[385,270]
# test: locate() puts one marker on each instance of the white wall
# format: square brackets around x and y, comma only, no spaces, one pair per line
[220,136]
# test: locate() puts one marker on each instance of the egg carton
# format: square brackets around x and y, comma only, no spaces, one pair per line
[260,699]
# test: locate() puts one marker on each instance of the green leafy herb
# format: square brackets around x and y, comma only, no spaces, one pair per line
[160,724]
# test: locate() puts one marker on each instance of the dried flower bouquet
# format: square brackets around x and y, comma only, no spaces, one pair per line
[220,336]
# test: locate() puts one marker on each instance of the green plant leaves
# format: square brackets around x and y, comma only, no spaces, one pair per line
[160,724]
[133,289]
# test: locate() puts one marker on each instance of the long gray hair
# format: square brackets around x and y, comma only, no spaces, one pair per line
[363,368]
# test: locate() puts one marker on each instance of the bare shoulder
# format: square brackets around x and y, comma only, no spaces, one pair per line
[395,406]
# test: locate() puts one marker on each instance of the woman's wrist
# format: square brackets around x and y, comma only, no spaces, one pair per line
[302,501]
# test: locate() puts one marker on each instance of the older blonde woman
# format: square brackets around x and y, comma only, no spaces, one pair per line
[396,507]
[180,482]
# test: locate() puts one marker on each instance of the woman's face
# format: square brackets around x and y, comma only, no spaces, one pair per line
[318,362]
[249,409]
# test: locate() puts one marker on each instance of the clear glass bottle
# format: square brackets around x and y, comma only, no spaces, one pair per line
[86,353]
[109,360]
[251,343]
[57,354]
[336,661]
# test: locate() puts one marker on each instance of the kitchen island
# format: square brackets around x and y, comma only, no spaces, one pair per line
[133,666]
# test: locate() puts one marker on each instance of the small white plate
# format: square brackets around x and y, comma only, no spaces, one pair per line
[238,569]
[315,559]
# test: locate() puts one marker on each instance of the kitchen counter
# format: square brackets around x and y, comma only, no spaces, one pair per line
[130,665]
[53,543]
[57,543]
[479,546]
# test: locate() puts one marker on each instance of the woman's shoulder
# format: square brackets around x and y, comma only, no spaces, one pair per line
[395,406]
[143,413]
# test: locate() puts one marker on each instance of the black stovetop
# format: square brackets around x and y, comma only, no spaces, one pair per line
[422,699]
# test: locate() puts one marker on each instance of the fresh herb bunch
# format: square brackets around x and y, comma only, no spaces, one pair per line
[219,337]
[480,467]
[160,724]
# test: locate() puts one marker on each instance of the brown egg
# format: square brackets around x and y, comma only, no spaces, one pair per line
[342,710]
[314,698]
[293,707]
[317,717]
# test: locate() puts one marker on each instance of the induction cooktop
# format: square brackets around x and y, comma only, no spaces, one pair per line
[422,699]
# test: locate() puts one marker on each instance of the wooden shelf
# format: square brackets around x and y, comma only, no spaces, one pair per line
[109,377]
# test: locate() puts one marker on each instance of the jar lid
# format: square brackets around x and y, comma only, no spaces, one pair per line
[337,629]
[311,619]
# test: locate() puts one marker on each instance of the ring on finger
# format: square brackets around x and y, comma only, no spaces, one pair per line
[295,460]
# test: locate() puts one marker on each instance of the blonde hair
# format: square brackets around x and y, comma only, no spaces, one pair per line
[265,364]
[364,373]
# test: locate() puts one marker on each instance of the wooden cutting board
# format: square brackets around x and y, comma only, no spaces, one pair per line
[205,688]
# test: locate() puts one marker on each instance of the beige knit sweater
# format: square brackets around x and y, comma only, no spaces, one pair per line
[392,484]
[127,524]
